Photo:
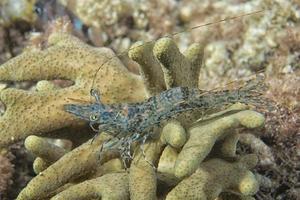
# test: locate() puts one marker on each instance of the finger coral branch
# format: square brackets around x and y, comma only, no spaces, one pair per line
[39,165]
[215,176]
[108,187]
[40,147]
[46,152]
[202,138]
[178,69]
[79,162]
[111,166]
[264,152]
[228,145]
[150,67]
[174,134]
[65,57]
[142,176]
[165,169]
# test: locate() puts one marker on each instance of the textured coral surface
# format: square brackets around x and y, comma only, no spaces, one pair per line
[62,59]
[60,172]
[65,67]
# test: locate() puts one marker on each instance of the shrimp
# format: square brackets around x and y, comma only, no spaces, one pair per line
[130,122]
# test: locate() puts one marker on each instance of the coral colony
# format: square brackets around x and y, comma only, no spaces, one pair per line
[66,175]
[146,132]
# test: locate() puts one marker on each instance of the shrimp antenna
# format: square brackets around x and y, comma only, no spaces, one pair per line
[172,35]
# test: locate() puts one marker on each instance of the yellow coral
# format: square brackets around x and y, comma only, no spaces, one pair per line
[80,173]
[42,148]
[142,176]
[174,134]
[83,163]
[202,139]
[112,186]
[165,169]
[80,161]
[178,69]
[151,70]
[209,180]
[67,58]
[46,152]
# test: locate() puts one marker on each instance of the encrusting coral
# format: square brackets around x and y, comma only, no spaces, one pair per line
[85,172]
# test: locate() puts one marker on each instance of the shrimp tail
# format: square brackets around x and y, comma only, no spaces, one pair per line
[253,91]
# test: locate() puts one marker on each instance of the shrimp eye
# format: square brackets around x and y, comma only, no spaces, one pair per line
[94,117]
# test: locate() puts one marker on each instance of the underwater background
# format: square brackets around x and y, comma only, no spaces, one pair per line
[51,52]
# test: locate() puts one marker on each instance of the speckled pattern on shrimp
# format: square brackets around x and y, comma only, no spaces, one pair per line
[132,121]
